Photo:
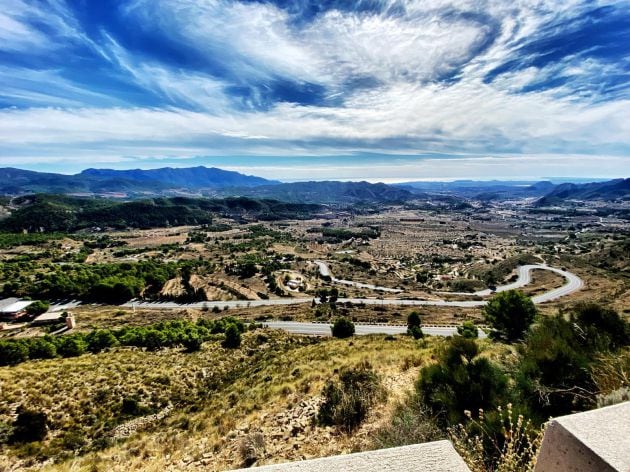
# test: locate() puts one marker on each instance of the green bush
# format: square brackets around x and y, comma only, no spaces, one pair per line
[37,308]
[554,376]
[232,337]
[603,328]
[414,325]
[414,319]
[100,339]
[460,380]
[13,352]
[468,329]
[416,332]
[510,314]
[42,348]
[192,343]
[132,407]
[71,346]
[347,401]
[342,328]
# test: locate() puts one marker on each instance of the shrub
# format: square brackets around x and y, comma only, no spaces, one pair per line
[71,346]
[510,313]
[603,328]
[411,423]
[37,308]
[100,339]
[232,337]
[414,320]
[416,332]
[29,426]
[348,401]
[342,328]
[132,407]
[501,441]
[553,376]
[192,343]
[460,381]
[154,339]
[13,352]
[468,329]
[414,325]
[42,348]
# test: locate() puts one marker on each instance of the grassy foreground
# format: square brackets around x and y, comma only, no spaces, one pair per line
[219,397]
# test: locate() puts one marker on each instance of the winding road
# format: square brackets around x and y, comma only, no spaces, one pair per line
[574,283]
[324,271]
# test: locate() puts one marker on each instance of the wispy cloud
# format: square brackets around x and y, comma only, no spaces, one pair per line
[187,78]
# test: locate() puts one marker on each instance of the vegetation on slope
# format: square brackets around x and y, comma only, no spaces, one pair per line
[215,393]
[51,213]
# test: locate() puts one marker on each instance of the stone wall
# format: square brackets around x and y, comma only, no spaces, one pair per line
[592,441]
[438,456]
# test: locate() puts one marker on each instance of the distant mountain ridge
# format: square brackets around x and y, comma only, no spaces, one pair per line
[214,182]
[186,177]
[332,192]
[100,181]
[611,190]
[208,181]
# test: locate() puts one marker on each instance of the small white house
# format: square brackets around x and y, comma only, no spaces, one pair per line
[11,308]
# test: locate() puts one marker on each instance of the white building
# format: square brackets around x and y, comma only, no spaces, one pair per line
[13,307]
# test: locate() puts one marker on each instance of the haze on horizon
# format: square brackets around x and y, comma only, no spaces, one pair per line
[379,90]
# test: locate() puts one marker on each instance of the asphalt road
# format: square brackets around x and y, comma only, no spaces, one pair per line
[323,329]
[574,283]
[324,271]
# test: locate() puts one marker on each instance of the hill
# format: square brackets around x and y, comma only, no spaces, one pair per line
[332,192]
[63,213]
[482,190]
[611,190]
[103,181]
[190,177]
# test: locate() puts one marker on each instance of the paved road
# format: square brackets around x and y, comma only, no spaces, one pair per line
[324,271]
[323,329]
[574,283]
[524,278]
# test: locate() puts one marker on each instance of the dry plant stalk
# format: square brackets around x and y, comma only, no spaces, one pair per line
[517,453]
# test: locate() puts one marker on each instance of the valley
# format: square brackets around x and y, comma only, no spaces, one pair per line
[152,286]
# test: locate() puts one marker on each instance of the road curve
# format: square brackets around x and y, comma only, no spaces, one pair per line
[574,283]
[324,271]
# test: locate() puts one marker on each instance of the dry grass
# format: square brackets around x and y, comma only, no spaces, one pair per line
[216,394]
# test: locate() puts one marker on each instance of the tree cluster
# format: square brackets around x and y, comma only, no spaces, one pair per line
[177,333]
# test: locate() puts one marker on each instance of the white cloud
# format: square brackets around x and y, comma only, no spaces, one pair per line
[406,110]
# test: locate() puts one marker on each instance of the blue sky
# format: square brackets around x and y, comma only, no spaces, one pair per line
[386,90]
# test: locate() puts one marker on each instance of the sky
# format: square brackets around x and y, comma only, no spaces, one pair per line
[379,90]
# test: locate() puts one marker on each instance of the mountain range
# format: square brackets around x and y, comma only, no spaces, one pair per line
[611,190]
[214,182]
[194,180]
[98,181]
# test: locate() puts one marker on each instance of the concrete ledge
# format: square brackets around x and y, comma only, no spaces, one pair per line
[438,456]
[593,441]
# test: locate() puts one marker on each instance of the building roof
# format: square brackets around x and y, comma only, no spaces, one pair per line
[48,316]
[8,301]
[15,306]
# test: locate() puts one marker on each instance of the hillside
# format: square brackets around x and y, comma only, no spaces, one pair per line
[190,177]
[63,213]
[611,190]
[102,181]
[332,192]
[482,190]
